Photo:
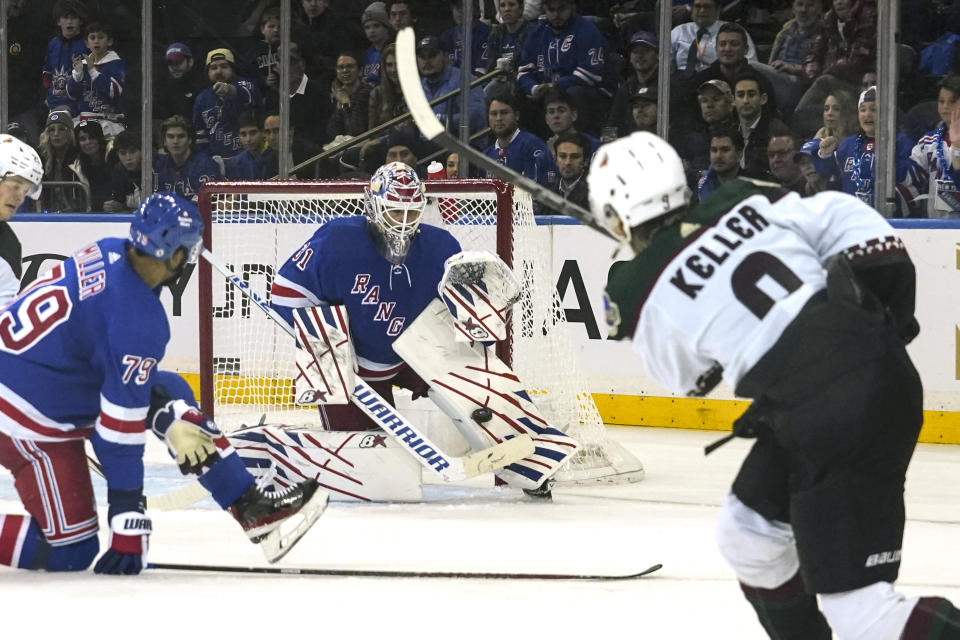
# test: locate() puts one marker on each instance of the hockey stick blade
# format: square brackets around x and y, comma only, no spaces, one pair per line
[374,573]
[407,434]
[434,131]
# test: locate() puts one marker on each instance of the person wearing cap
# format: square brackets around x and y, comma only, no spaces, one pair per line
[642,52]
[58,150]
[567,51]
[643,109]
[692,137]
[439,77]
[452,38]
[560,115]
[70,16]
[938,158]
[693,45]
[852,161]
[379,33]
[98,80]
[807,159]
[217,107]
[179,86]
[732,48]
[507,37]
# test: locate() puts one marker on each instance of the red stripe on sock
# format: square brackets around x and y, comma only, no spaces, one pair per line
[9,532]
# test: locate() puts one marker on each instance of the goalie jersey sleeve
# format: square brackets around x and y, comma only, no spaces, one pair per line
[77,350]
[721,285]
[340,265]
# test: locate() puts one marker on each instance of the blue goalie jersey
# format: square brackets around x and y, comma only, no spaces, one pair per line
[340,265]
[77,350]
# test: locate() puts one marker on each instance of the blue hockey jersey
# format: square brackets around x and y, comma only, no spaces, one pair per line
[77,351]
[99,91]
[57,67]
[573,57]
[186,179]
[526,154]
[215,120]
[452,42]
[340,264]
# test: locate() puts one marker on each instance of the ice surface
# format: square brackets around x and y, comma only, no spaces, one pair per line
[666,518]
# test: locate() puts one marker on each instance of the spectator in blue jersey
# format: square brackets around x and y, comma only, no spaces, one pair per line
[438,78]
[261,62]
[726,152]
[452,38]
[125,176]
[693,45]
[217,107]
[178,87]
[520,150]
[380,33]
[643,55]
[561,115]
[567,52]
[70,16]
[93,161]
[851,160]
[183,168]
[98,79]
[89,374]
[255,160]
[572,155]
[507,37]
[938,158]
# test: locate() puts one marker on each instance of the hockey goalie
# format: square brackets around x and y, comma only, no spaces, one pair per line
[391,301]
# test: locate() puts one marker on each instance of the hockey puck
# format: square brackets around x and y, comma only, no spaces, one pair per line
[482,414]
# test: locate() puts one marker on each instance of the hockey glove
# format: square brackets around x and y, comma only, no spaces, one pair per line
[190,440]
[129,535]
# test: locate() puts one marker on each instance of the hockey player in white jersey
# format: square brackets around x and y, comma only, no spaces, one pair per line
[78,353]
[376,282]
[805,306]
[20,175]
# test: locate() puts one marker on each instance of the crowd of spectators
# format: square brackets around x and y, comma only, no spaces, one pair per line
[781,90]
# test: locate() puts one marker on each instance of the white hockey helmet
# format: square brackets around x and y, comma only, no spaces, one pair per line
[395,200]
[633,180]
[20,159]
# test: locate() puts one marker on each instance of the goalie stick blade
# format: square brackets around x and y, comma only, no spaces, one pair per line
[373,573]
[498,456]
[178,498]
[433,130]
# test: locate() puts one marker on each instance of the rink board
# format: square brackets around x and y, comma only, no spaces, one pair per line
[580,260]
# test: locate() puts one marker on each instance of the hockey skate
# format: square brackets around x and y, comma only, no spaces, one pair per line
[277,520]
[543,492]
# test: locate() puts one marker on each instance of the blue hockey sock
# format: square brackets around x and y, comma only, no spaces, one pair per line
[227,480]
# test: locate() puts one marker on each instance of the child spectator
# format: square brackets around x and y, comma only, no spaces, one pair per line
[452,38]
[216,109]
[58,150]
[506,39]
[70,16]
[125,174]
[262,61]
[93,162]
[379,34]
[254,161]
[183,169]
[179,86]
[97,81]
[938,158]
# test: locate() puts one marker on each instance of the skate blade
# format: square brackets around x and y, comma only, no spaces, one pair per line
[279,541]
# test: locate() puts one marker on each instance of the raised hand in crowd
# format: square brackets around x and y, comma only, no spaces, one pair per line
[828,145]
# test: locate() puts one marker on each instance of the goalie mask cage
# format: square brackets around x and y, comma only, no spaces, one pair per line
[247,362]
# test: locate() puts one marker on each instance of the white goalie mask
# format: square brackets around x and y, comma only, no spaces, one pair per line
[19,159]
[395,200]
[633,180]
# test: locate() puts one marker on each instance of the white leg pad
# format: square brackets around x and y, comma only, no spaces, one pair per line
[874,612]
[762,552]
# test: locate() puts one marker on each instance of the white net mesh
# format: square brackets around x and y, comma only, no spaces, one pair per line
[256,229]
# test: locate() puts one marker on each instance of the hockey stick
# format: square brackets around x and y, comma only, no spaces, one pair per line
[374,573]
[433,130]
[450,468]
[170,501]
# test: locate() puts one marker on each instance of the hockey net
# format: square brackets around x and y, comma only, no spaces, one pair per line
[246,361]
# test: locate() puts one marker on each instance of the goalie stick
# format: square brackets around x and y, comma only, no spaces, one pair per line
[434,131]
[170,501]
[385,573]
[450,468]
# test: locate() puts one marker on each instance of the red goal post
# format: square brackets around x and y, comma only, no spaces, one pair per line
[246,366]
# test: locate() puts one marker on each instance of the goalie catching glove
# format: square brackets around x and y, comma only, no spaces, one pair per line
[478,289]
[188,434]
